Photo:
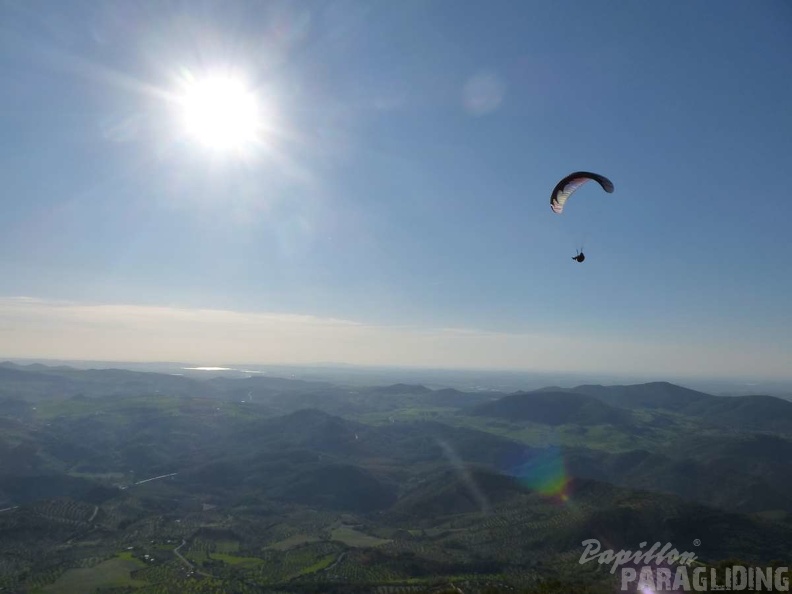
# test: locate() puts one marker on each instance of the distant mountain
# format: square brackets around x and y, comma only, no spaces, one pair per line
[35,367]
[37,381]
[553,408]
[402,389]
[451,398]
[753,413]
[682,441]
[272,395]
[660,395]
[18,382]
[756,413]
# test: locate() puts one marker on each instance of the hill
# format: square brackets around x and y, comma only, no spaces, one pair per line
[266,484]
[553,408]
[653,395]
[743,413]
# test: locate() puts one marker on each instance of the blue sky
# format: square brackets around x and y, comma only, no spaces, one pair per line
[403,182]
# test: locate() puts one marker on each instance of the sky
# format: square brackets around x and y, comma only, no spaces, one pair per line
[390,202]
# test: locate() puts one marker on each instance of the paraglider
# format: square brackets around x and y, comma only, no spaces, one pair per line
[567,186]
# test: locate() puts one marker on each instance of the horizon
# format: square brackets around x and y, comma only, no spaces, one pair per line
[435,378]
[61,331]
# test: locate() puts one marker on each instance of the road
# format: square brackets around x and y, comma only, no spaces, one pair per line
[188,563]
[155,478]
[179,555]
[336,562]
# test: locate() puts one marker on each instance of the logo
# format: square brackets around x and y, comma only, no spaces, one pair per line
[657,555]
[663,568]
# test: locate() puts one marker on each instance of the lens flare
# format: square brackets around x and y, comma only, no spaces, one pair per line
[545,473]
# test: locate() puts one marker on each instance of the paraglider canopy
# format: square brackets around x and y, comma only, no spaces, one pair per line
[567,186]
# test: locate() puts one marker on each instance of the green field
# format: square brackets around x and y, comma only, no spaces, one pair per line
[293,541]
[199,557]
[321,564]
[353,538]
[226,546]
[113,573]
[245,562]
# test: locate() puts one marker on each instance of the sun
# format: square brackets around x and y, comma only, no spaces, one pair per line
[220,112]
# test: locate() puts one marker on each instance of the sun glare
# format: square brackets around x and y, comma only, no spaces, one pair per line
[221,113]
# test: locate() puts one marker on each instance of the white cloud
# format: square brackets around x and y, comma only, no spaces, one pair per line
[34,328]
